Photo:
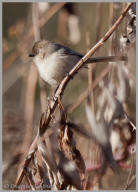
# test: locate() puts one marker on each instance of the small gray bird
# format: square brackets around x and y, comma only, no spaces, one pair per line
[54,61]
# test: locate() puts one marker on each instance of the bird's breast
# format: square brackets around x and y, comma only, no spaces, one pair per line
[48,69]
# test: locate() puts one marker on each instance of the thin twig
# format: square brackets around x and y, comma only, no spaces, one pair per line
[98,20]
[110,24]
[90,73]
[29,108]
[35,19]
[37,36]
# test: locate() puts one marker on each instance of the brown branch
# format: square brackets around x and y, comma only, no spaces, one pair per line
[37,36]
[98,20]
[30,91]
[90,73]
[63,84]
[29,109]
[110,24]
[35,19]
[111,13]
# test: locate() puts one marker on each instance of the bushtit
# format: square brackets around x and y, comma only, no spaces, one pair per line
[54,61]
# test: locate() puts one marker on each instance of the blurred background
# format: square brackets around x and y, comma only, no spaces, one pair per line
[76,25]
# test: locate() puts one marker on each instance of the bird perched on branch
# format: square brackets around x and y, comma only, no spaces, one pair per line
[54,61]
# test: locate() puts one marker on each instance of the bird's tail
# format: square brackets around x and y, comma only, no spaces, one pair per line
[107,59]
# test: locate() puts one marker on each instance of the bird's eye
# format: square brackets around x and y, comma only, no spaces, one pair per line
[31,55]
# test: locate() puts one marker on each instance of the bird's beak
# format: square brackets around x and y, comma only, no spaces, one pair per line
[31,55]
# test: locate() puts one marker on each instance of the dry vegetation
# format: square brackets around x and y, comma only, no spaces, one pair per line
[86,135]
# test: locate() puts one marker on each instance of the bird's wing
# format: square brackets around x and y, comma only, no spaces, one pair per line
[53,47]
